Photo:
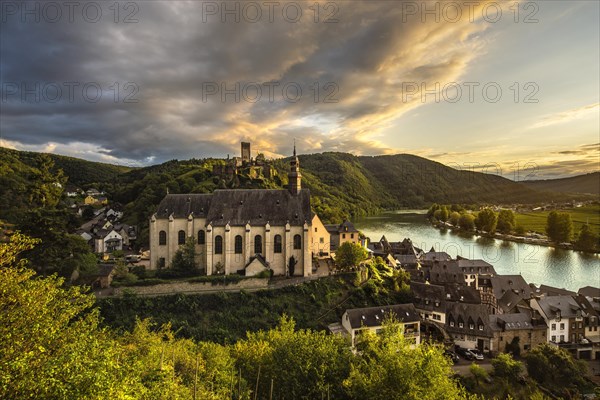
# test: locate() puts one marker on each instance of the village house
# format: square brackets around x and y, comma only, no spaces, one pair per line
[231,227]
[358,320]
[344,232]
[524,329]
[474,268]
[468,325]
[107,241]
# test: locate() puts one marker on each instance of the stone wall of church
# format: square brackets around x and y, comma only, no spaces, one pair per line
[228,259]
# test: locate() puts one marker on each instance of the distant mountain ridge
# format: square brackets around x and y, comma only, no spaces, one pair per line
[587,183]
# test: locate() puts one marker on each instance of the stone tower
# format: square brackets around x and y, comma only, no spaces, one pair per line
[294,175]
[245,152]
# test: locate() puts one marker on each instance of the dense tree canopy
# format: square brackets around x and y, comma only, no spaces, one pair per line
[559,227]
[349,255]
[486,220]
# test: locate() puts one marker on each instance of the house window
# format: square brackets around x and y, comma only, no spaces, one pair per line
[501,338]
[460,324]
[321,240]
[562,338]
[277,247]
[451,323]
[562,326]
[573,325]
[480,327]
[352,236]
[553,327]
[201,237]
[343,236]
[471,326]
[181,237]
[218,244]
[553,338]
[316,229]
[161,262]
[297,242]
[580,325]
[238,244]
[162,238]
[257,244]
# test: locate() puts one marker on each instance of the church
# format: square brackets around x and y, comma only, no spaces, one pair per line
[244,231]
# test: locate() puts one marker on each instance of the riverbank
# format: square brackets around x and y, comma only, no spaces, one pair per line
[532,238]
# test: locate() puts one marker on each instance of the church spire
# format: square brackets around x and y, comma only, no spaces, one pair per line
[294,176]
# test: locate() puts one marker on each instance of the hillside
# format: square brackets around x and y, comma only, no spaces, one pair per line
[588,183]
[342,185]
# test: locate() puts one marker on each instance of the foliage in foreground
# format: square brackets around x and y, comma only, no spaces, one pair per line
[52,347]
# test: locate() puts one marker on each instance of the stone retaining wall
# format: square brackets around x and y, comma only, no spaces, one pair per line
[193,287]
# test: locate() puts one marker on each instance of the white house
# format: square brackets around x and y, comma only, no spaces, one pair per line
[106,241]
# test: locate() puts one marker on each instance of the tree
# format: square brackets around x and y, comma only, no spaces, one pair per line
[434,207]
[349,255]
[559,227]
[506,221]
[184,258]
[486,220]
[478,373]
[386,367]
[466,221]
[441,214]
[586,240]
[302,364]
[454,218]
[507,368]
[554,367]
[51,345]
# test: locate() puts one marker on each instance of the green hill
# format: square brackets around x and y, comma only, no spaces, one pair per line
[588,183]
[342,185]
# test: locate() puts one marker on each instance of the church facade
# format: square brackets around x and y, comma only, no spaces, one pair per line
[241,230]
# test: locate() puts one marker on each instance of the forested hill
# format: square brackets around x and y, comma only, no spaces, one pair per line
[342,185]
[79,172]
[588,183]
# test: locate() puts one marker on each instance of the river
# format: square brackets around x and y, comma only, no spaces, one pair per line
[538,264]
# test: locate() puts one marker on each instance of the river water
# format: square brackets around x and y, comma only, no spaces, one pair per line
[538,264]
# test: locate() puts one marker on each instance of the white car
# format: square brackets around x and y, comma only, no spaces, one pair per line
[476,354]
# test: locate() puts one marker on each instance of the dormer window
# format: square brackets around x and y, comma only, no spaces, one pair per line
[452,323]
[480,327]
[471,326]
[460,324]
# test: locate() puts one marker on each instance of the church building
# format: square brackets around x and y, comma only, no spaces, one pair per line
[242,230]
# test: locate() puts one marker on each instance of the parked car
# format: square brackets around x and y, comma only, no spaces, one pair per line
[464,353]
[452,355]
[476,354]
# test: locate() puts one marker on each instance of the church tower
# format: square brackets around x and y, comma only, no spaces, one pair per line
[294,175]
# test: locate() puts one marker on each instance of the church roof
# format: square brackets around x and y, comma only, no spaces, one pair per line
[182,205]
[240,206]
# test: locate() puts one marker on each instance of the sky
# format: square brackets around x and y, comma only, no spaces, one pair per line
[502,87]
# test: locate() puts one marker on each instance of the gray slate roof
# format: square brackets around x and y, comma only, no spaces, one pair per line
[476,314]
[240,206]
[566,305]
[374,316]
[503,283]
[514,322]
[589,291]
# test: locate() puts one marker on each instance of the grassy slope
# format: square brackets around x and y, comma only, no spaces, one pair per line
[588,183]
[536,220]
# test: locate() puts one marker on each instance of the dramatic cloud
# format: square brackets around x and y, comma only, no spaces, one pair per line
[179,82]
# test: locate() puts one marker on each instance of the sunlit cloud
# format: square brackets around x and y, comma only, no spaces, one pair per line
[568,116]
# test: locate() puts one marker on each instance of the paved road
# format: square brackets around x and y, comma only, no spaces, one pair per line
[462,367]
